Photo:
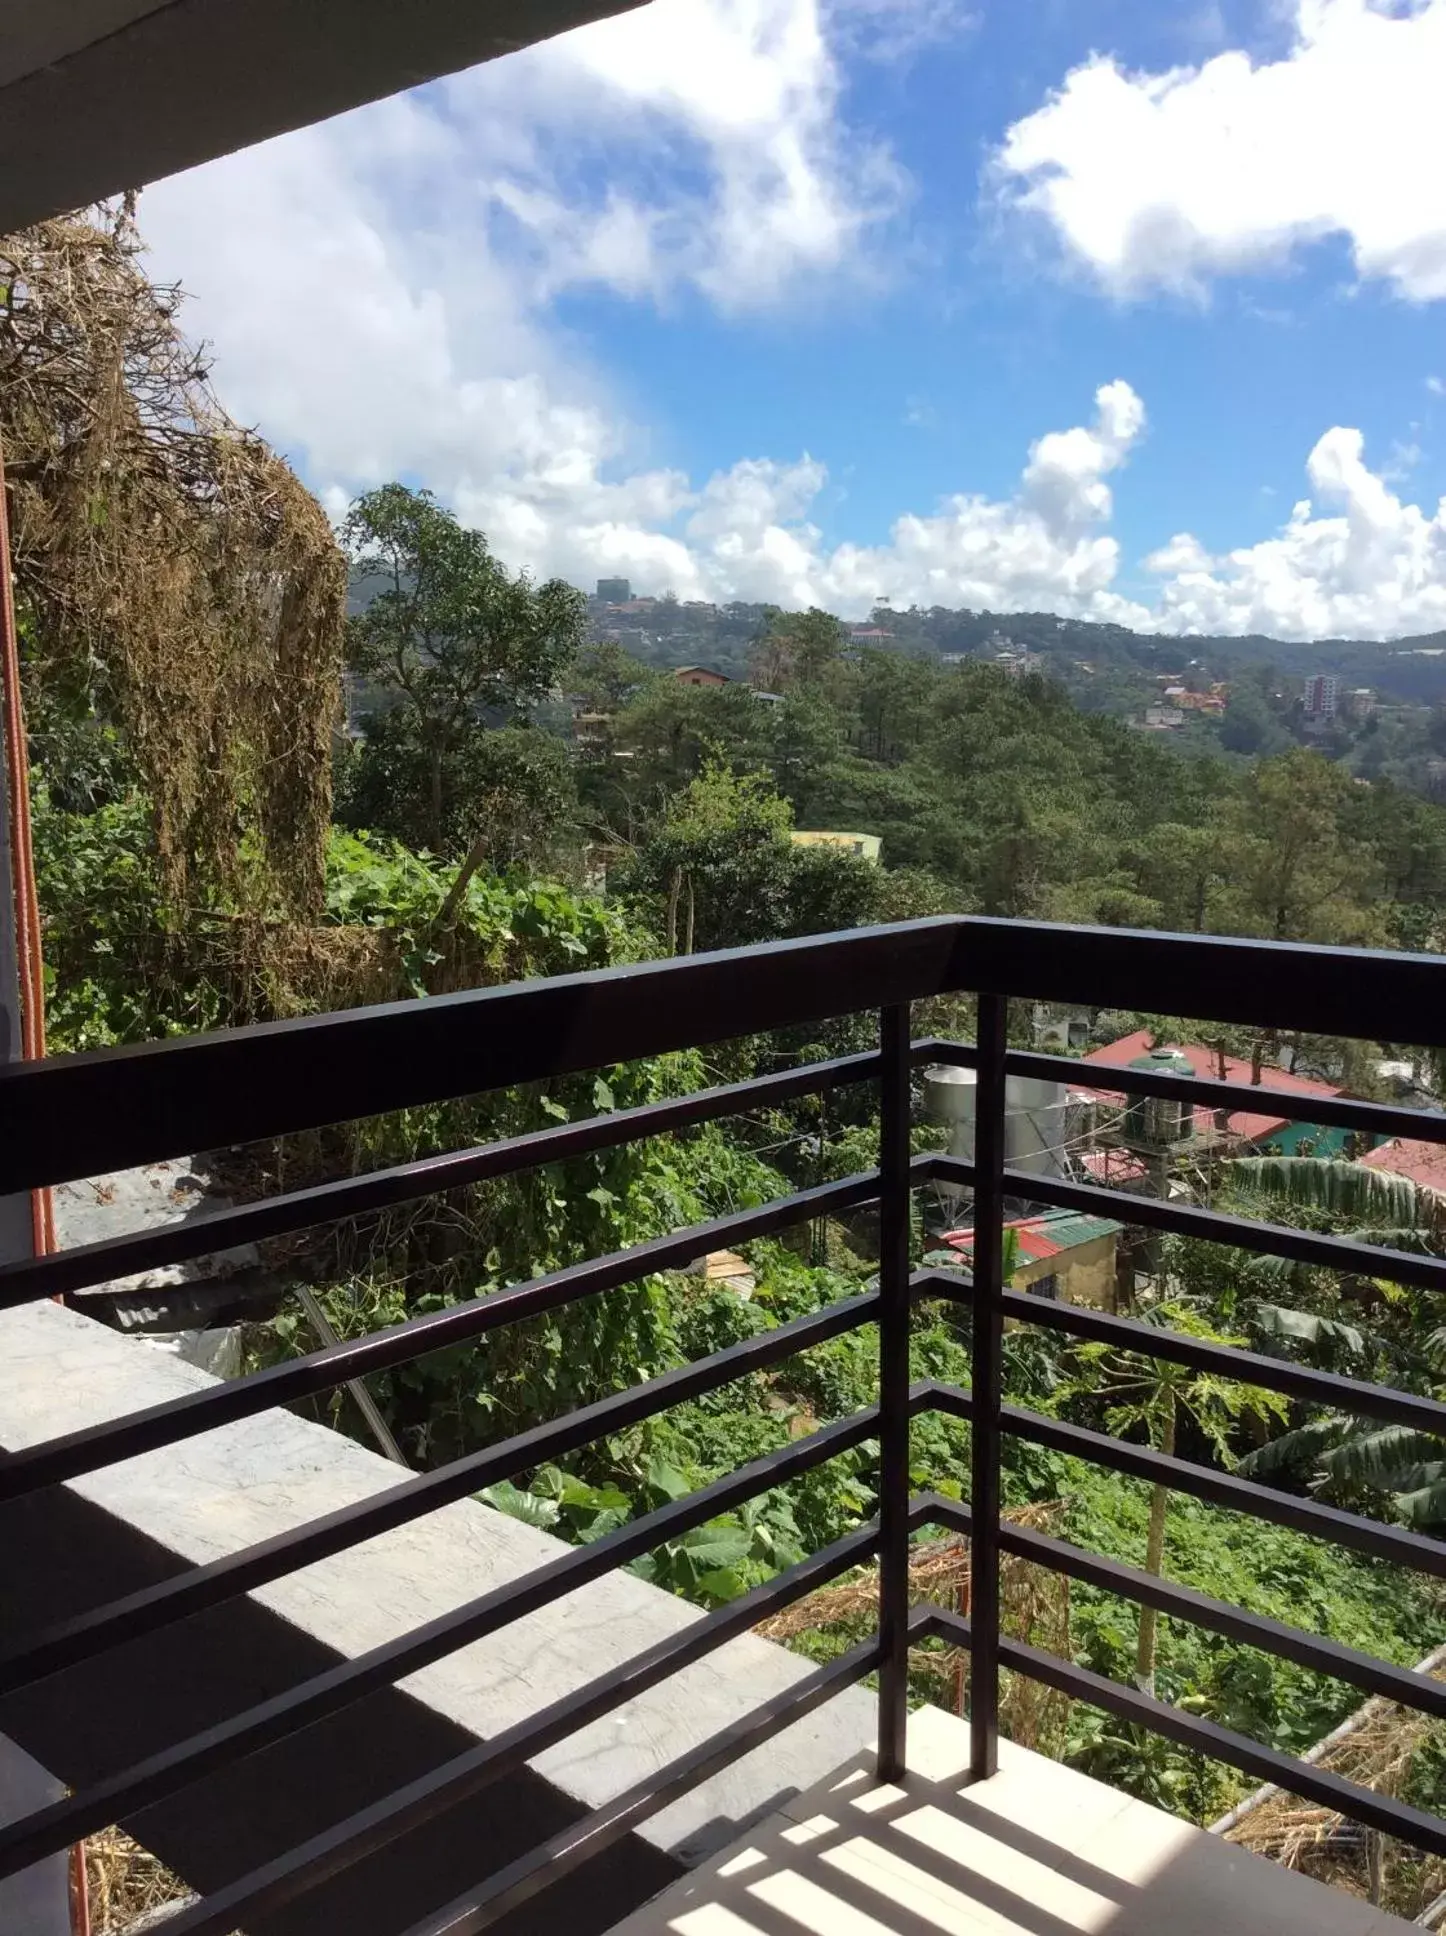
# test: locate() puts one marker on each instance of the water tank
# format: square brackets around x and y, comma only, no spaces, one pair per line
[1035,1127]
[1157,1122]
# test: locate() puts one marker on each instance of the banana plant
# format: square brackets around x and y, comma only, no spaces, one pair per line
[1347,1458]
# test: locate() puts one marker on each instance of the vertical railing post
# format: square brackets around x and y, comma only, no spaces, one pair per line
[985,1378]
[894,1100]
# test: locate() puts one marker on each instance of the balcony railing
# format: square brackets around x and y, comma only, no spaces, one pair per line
[85,1115]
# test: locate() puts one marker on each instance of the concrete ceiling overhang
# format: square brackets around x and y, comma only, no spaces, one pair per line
[99,96]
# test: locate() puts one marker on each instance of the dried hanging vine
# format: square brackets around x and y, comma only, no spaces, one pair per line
[174,573]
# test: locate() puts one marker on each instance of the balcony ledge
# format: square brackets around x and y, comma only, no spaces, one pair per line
[242,1483]
[1038,1850]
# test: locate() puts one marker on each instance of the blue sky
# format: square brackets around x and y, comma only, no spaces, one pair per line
[1115,309]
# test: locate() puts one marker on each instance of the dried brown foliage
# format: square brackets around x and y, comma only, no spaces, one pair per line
[169,565]
[1034,1607]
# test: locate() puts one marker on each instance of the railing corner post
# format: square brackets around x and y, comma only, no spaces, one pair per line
[987,1331]
[894,1221]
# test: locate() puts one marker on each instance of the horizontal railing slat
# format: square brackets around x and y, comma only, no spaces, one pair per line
[83,1265]
[1192,1731]
[82,1115]
[198,1588]
[399,1344]
[1260,984]
[77,1116]
[1322,1656]
[1395,1543]
[1311,1782]
[1354,1395]
[375,1827]
[1256,1099]
[118,1797]
[1210,1226]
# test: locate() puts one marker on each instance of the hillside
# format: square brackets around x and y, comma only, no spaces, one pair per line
[665,631]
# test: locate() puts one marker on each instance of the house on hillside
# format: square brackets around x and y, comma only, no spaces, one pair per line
[1263,1130]
[1423,1163]
[864,846]
[698,675]
[1060,1027]
[1060,1255]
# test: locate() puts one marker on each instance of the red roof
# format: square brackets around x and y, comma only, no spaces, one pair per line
[1423,1163]
[1205,1062]
[1042,1236]
[1112,1167]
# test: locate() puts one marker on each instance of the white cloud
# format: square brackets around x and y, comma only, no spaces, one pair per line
[1436,385]
[1372,567]
[741,98]
[380,289]
[1163,180]
[380,293]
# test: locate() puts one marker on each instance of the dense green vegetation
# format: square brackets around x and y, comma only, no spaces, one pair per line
[486,832]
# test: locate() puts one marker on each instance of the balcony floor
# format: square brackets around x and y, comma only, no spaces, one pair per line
[1038,1851]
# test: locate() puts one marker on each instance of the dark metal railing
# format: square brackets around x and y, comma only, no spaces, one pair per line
[83,1115]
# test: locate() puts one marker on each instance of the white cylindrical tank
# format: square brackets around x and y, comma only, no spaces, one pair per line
[1036,1125]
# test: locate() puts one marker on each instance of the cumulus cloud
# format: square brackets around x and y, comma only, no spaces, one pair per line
[381,289]
[1368,566]
[738,99]
[380,292]
[1164,180]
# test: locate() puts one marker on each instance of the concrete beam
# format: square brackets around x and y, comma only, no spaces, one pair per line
[154,86]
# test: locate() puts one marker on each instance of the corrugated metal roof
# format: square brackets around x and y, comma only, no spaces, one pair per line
[1046,1235]
[1250,1124]
[1424,1163]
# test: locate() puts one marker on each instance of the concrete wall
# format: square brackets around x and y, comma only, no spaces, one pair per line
[75,1546]
[1086,1273]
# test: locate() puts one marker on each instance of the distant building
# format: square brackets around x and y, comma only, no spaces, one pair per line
[1259,1127]
[868,635]
[1423,1163]
[1060,1028]
[700,676]
[1360,702]
[1322,696]
[1061,1254]
[614,591]
[865,846]
[1162,719]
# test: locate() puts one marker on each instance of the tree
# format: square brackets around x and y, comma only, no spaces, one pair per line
[1297,872]
[449,629]
[507,792]
[1343,1456]
[607,676]
[1154,1395]
[795,649]
[719,870]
